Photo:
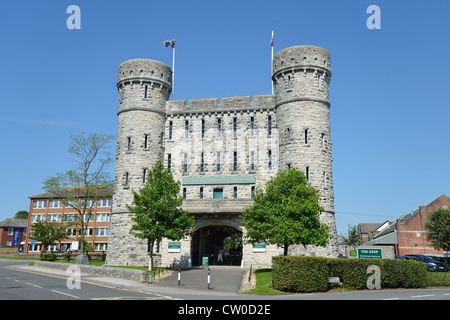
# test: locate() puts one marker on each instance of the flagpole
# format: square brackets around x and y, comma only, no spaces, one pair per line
[271,62]
[173,70]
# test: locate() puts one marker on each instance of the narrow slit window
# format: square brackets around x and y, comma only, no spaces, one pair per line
[219,128]
[202,162]
[144,174]
[126,184]
[203,128]
[270,159]
[252,161]
[128,143]
[146,139]
[146,91]
[218,161]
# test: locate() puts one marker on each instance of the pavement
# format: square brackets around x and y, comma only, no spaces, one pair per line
[224,282]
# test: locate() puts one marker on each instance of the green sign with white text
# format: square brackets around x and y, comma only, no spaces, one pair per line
[185,181]
[369,254]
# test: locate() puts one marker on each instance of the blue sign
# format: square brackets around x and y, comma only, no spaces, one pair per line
[16,237]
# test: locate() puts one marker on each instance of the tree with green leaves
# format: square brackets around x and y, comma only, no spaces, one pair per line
[156,210]
[438,229]
[88,181]
[22,214]
[48,232]
[285,212]
[353,239]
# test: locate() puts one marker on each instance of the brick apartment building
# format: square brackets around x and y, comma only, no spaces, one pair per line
[50,207]
[407,234]
[411,234]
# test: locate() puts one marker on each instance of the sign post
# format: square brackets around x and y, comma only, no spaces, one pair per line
[205,261]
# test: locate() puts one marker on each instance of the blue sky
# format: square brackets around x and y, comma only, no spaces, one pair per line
[389,93]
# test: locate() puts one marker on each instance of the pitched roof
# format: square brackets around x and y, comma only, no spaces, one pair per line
[108,190]
[368,227]
[14,223]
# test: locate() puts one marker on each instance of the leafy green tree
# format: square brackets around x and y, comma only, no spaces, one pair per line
[285,212]
[353,238]
[88,181]
[22,214]
[438,229]
[156,210]
[48,232]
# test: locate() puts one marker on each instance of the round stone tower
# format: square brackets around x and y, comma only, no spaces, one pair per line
[144,87]
[301,77]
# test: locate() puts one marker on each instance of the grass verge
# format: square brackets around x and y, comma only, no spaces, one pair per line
[264,283]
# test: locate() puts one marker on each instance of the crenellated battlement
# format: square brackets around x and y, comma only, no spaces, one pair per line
[226,104]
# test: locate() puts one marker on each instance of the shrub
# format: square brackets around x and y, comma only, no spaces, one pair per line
[300,274]
[47,256]
[310,274]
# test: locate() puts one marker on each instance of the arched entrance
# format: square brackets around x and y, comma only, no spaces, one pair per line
[222,244]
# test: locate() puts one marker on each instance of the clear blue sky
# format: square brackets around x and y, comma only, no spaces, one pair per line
[389,90]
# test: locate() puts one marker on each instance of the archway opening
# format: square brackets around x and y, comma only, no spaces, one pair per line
[221,245]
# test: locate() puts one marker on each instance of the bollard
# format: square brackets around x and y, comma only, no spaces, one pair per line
[179,276]
[209,278]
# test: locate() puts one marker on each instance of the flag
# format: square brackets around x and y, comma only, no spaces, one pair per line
[271,41]
[169,43]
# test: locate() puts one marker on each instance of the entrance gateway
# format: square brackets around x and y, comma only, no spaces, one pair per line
[217,245]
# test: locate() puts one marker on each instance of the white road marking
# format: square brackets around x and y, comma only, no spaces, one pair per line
[34,285]
[65,294]
[425,295]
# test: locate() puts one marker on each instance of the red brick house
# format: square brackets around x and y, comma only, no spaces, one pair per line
[12,234]
[411,234]
[407,234]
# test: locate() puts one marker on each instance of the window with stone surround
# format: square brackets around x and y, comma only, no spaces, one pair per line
[269,125]
[186,129]
[203,128]
[169,162]
[219,128]
[218,161]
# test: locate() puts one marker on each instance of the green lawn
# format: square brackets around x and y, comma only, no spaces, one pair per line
[264,283]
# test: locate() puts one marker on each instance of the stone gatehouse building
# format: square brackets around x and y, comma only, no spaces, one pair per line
[220,149]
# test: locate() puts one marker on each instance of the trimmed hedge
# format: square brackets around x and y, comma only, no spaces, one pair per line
[310,274]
